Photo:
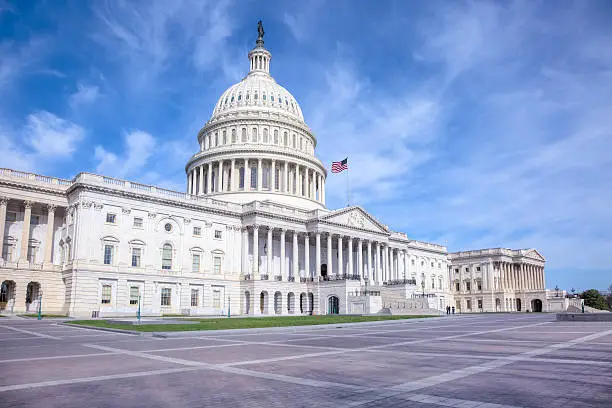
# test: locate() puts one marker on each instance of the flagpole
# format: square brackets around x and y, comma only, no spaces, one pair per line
[348,188]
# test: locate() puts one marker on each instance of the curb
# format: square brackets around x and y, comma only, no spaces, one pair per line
[106,329]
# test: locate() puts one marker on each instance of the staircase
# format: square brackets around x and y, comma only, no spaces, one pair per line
[396,305]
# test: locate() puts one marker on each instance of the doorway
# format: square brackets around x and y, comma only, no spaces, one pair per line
[536,305]
[333,305]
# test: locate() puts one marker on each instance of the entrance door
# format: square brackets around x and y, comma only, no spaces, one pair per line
[518,305]
[323,271]
[333,305]
[536,305]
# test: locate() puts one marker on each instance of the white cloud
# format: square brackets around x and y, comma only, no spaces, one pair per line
[84,95]
[139,146]
[52,136]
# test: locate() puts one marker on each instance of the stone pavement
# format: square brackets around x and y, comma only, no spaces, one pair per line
[485,361]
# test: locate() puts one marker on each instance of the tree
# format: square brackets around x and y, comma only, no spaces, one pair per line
[593,298]
[609,297]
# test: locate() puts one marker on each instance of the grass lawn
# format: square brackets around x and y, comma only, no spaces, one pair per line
[43,316]
[241,323]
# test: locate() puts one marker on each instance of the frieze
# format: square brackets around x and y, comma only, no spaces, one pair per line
[98,206]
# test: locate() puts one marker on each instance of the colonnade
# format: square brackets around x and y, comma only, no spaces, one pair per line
[229,175]
[25,234]
[356,258]
[521,276]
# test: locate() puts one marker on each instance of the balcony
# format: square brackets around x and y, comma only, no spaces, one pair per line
[400,282]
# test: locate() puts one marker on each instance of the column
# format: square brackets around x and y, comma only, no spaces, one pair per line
[376,274]
[329,255]
[3,204]
[296,265]
[194,180]
[282,255]
[256,251]
[318,186]
[247,175]
[340,267]
[259,174]
[49,235]
[405,268]
[245,252]
[542,278]
[285,186]
[200,169]
[360,259]
[269,270]
[351,271]
[232,176]
[25,236]
[273,176]
[323,190]
[189,183]
[209,179]
[317,256]
[369,273]
[220,177]
[306,255]
[298,181]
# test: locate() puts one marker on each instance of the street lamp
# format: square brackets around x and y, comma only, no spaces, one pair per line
[228,306]
[138,313]
[40,305]
[557,291]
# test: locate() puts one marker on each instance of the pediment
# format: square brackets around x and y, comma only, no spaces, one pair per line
[355,217]
[532,253]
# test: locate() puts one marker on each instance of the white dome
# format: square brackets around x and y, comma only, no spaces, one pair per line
[258,90]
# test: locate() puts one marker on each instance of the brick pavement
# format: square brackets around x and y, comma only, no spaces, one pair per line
[485,361]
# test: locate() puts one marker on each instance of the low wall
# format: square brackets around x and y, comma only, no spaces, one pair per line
[584,317]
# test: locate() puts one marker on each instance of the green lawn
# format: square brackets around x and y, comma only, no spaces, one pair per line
[43,316]
[241,323]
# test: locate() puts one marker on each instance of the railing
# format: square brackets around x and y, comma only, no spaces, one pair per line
[34,177]
[291,279]
[364,293]
[263,277]
[248,277]
[338,278]
[278,278]
[400,282]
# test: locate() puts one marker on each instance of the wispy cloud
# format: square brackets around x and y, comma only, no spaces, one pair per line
[139,146]
[84,95]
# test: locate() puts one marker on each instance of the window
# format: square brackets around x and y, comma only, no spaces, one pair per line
[136,255]
[457,286]
[195,263]
[108,254]
[168,227]
[195,294]
[7,252]
[216,298]
[479,283]
[31,254]
[241,177]
[285,140]
[468,286]
[239,96]
[277,179]
[111,218]
[217,265]
[217,137]
[218,234]
[166,297]
[233,135]
[265,135]
[412,262]
[253,177]
[254,135]
[225,134]
[134,295]
[244,135]
[468,304]
[106,294]
[137,222]
[439,266]
[439,283]
[197,231]
[275,136]
[478,268]
[35,220]
[456,270]
[11,217]
[167,256]
[432,264]
[263,97]
[294,144]
[467,269]
[480,303]
[265,177]
[433,283]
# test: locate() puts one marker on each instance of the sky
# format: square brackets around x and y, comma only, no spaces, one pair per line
[472,124]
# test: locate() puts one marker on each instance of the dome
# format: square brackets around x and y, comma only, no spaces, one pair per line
[256,145]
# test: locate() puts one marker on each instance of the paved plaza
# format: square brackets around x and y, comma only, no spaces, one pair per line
[496,360]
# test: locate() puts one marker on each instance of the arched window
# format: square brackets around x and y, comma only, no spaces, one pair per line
[294,141]
[239,96]
[255,97]
[265,177]
[247,96]
[275,136]
[272,98]
[244,135]
[265,135]
[232,100]
[264,97]
[285,140]
[224,137]
[216,139]
[167,256]
[253,177]
[233,135]
[241,178]
[254,136]
[301,144]
[276,178]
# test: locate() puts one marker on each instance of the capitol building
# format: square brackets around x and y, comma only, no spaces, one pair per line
[250,235]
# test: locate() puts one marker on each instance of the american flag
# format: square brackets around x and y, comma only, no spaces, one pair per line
[337,167]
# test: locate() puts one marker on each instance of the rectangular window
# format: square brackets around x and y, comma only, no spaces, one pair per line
[478,268]
[467,269]
[468,286]
[216,300]
[480,303]
[468,304]
[253,177]
[134,295]
[195,294]
[31,254]
[138,222]
[277,179]
[217,265]
[195,263]
[440,283]
[108,254]
[457,286]
[218,234]
[479,283]
[166,297]
[433,283]
[111,218]
[457,270]
[35,220]
[11,217]
[197,231]
[7,252]
[106,294]
[412,262]
[136,255]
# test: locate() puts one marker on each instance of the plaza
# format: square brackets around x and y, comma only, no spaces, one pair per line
[485,360]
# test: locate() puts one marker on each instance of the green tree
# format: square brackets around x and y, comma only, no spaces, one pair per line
[609,297]
[593,298]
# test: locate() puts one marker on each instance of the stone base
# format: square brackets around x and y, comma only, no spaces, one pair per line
[584,317]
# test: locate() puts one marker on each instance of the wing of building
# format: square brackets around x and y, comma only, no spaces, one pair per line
[251,234]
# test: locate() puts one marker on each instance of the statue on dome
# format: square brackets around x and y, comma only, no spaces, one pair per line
[260,31]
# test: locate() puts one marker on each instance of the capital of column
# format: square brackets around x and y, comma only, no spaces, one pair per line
[3,200]
[27,203]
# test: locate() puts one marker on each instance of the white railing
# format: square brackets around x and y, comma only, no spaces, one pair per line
[36,178]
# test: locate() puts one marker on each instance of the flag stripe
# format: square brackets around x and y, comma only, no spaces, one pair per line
[339,166]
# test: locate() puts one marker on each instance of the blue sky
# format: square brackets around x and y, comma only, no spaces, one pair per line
[470,124]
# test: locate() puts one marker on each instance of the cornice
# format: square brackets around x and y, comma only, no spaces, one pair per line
[247,119]
[33,187]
